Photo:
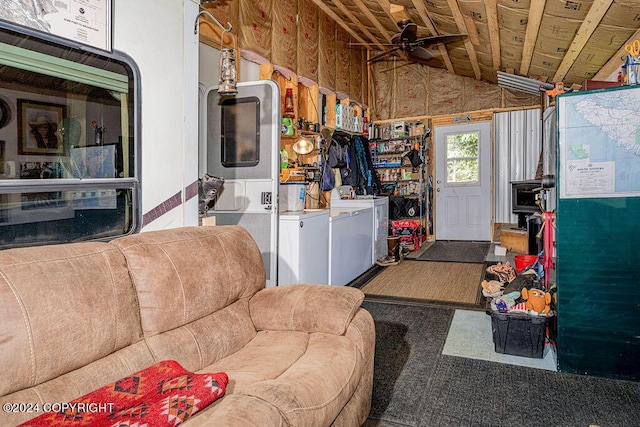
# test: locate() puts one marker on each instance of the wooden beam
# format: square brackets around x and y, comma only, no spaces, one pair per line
[386,7]
[614,63]
[372,18]
[531,35]
[424,15]
[357,23]
[491,9]
[457,16]
[594,16]
[326,9]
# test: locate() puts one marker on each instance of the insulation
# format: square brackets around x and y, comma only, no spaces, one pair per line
[255,33]
[446,92]
[308,37]
[356,69]
[284,35]
[326,52]
[480,95]
[518,99]
[227,12]
[382,88]
[412,92]
[341,66]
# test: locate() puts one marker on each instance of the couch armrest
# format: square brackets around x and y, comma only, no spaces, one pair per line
[306,308]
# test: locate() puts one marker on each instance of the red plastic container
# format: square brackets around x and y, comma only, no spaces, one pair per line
[524,261]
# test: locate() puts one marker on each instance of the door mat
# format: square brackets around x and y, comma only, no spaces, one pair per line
[456,251]
[429,281]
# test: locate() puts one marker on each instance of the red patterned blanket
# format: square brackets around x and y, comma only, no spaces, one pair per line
[161,395]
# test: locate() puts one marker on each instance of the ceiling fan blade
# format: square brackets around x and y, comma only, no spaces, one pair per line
[426,41]
[434,62]
[420,52]
[383,54]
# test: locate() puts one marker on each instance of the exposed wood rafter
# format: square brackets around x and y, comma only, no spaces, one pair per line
[491,9]
[616,60]
[531,35]
[326,9]
[371,17]
[462,26]
[594,16]
[357,23]
[424,15]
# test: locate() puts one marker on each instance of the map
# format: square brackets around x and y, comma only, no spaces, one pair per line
[83,21]
[599,139]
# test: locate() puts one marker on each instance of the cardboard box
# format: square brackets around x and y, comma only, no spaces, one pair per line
[515,240]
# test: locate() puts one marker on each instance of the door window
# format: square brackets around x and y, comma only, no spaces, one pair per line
[463,158]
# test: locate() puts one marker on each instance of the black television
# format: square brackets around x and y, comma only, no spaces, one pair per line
[524,198]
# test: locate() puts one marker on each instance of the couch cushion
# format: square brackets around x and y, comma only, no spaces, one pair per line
[184,274]
[63,307]
[266,357]
[308,308]
[203,341]
[320,378]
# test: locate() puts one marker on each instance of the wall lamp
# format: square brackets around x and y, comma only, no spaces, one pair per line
[227,79]
[303,146]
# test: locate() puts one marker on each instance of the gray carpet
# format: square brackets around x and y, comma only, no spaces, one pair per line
[415,385]
[455,251]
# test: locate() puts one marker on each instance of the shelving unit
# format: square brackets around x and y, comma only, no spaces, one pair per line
[398,176]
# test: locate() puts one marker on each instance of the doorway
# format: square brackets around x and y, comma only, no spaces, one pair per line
[463,182]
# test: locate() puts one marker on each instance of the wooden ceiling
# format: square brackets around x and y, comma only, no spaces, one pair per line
[548,40]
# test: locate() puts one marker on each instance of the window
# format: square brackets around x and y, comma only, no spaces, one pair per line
[463,158]
[67,143]
[240,132]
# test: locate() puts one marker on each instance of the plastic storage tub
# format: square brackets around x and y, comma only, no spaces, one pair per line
[519,334]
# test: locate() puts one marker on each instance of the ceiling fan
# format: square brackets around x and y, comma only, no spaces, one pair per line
[407,41]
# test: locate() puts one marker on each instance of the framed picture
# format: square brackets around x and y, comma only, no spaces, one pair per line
[38,131]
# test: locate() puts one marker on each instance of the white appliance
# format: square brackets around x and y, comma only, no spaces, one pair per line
[350,244]
[380,206]
[303,253]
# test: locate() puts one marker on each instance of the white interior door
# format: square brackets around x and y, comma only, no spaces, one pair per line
[463,182]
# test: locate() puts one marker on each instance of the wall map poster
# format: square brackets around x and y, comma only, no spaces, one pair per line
[599,143]
[82,21]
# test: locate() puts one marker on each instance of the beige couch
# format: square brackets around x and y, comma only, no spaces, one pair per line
[78,316]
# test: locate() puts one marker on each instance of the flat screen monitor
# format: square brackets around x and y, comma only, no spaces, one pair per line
[240,133]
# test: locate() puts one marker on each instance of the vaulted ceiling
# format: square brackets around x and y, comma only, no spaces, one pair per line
[566,41]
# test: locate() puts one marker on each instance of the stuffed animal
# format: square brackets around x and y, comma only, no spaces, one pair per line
[537,300]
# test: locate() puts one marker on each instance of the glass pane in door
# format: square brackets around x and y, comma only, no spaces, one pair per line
[463,158]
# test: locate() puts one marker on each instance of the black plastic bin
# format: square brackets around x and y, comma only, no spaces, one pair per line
[519,334]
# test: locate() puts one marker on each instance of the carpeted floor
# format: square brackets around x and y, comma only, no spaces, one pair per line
[431,281]
[455,251]
[415,385]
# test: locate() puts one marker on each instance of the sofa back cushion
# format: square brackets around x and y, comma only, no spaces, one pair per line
[183,274]
[63,307]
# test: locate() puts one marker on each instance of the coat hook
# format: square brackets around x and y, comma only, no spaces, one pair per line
[207,13]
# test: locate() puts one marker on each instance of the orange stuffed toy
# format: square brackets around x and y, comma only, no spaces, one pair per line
[537,300]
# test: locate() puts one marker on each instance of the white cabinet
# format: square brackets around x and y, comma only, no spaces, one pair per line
[350,244]
[303,251]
